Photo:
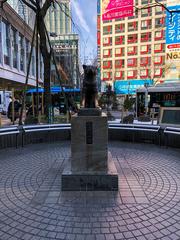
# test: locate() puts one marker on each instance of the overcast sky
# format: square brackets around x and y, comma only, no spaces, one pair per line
[84,15]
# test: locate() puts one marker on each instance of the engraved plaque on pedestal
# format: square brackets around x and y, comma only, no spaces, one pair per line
[89,139]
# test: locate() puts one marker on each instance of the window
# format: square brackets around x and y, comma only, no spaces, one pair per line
[132,38]
[146,12]
[107,41]
[158,60]
[119,63]
[135,14]
[21,48]
[107,75]
[41,67]
[144,61]
[158,72]
[107,64]
[107,30]
[6,42]
[107,52]
[146,2]
[14,47]
[119,40]
[159,10]
[159,22]
[144,73]
[145,37]
[33,63]
[118,74]
[119,52]
[132,26]
[132,50]
[159,35]
[119,28]
[146,24]
[27,53]
[145,49]
[120,19]
[132,62]
[131,74]
[158,47]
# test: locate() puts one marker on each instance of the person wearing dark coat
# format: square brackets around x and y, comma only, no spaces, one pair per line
[17,106]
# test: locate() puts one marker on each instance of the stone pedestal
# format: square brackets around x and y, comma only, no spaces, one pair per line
[89,168]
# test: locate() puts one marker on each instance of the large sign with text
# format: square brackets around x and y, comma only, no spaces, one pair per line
[173,41]
[129,87]
[173,25]
[113,9]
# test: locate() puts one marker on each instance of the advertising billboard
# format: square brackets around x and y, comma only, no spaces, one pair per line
[173,25]
[129,87]
[173,42]
[113,9]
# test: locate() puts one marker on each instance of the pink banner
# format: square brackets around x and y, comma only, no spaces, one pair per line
[112,9]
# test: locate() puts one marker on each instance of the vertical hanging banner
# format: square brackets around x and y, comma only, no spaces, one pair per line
[98,7]
[173,25]
[113,9]
[173,41]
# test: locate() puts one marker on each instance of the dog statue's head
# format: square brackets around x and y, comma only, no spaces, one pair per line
[89,72]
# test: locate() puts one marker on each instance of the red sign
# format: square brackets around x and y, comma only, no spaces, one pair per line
[98,23]
[112,9]
[170,46]
[98,38]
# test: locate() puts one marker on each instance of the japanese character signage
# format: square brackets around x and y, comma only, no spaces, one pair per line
[129,87]
[113,9]
[173,42]
[173,26]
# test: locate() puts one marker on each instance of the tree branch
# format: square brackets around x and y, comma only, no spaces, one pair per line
[45,7]
[34,8]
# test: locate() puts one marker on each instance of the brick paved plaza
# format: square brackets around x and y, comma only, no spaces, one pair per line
[147,205]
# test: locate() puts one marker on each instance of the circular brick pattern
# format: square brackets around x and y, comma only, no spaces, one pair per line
[146,206]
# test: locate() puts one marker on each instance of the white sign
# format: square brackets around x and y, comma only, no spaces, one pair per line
[172,2]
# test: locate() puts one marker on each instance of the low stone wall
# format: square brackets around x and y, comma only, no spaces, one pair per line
[23,139]
[158,138]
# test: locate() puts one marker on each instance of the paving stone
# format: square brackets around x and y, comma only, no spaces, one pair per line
[146,206]
[109,237]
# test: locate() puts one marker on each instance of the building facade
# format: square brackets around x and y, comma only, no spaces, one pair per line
[58,18]
[15,42]
[64,42]
[132,50]
[23,11]
[66,52]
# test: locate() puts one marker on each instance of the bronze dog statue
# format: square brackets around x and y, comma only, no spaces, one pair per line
[89,88]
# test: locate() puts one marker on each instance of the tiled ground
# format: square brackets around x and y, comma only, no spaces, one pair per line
[147,205]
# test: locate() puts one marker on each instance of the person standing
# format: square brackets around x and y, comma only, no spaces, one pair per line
[17,107]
